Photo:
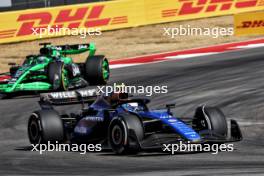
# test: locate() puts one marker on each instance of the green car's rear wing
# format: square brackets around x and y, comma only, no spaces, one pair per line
[49,49]
[76,49]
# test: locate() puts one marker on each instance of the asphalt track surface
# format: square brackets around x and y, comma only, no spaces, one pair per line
[233,81]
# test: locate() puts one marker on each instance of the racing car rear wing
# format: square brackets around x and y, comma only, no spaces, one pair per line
[69,49]
[68,97]
[76,49]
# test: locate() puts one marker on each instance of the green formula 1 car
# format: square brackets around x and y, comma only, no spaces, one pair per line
[52,70]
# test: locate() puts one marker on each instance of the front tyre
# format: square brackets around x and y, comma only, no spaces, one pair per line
[124,134]
[44,126]
[210,118]
[57,76]
[97,70]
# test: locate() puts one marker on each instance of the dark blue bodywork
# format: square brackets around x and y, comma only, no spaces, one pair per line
[93,125]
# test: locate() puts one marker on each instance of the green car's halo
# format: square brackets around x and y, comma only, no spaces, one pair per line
[53,70]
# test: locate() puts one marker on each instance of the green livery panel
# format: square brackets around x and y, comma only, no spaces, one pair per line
[52,69]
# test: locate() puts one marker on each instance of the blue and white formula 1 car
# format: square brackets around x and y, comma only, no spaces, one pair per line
[125,123]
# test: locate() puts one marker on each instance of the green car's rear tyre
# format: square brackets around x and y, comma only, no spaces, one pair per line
[44,126]
[97,70]
[57,76]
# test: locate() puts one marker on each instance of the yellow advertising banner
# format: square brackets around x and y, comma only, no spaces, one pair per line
[160,11]
[26,24]
[21,25]
[249,23]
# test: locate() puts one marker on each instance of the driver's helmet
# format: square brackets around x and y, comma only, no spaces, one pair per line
[133,107]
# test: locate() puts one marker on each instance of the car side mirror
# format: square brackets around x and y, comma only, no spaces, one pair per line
[169,107]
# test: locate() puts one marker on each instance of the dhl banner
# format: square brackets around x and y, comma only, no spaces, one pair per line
[19,25]
[249,23]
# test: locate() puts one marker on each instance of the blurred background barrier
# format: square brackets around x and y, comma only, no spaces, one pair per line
[17,25]
[9,5]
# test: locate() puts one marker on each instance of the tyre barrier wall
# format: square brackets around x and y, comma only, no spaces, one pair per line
[17,25]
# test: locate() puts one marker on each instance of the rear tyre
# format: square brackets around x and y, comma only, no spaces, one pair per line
[119,135]
[57,76]
[3,96]
[97,70]
[211,118]
[44,126]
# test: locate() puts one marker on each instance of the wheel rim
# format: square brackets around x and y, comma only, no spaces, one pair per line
[117,135]
[105,69]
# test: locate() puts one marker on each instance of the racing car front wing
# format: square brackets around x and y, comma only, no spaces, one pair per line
[156,141]
[36,86]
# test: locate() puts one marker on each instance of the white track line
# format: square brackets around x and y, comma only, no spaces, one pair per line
[114,66]
[248,123]
[122,65]
[185,56]
[249,46]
